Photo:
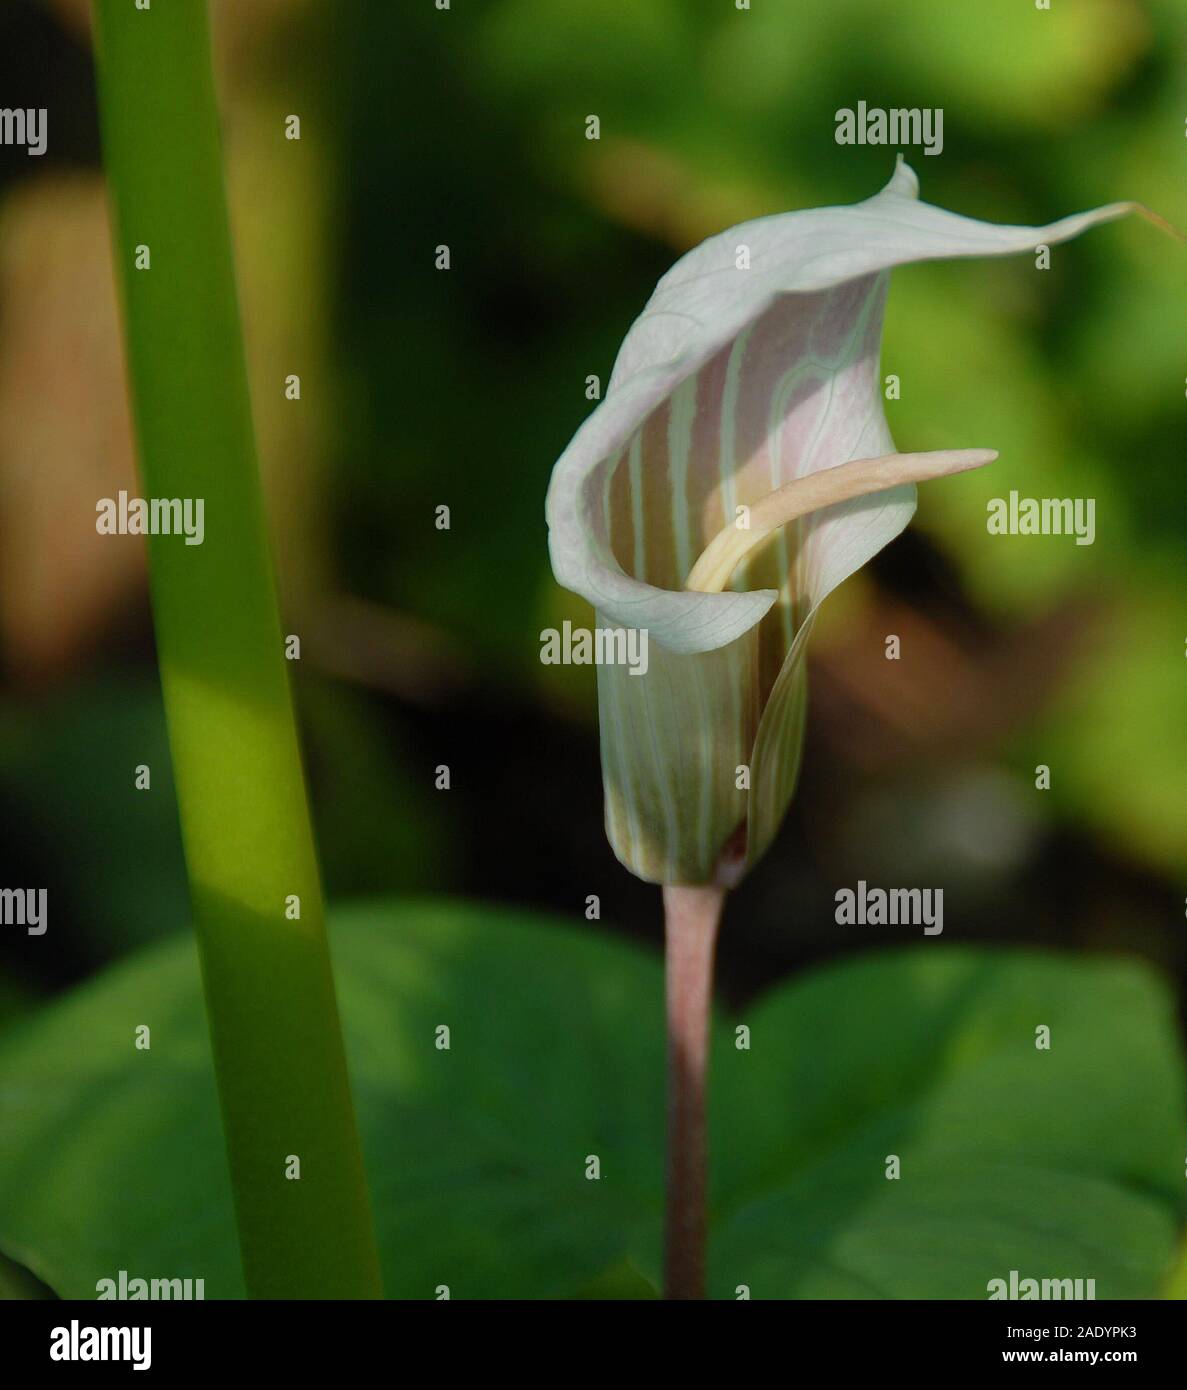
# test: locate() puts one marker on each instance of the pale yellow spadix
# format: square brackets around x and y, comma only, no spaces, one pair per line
[813,492]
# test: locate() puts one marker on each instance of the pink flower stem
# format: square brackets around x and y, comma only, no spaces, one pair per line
[691,917]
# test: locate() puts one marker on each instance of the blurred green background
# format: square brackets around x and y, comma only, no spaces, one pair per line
[423,388]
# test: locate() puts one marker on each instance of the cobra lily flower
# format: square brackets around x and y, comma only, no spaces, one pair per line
[739,468]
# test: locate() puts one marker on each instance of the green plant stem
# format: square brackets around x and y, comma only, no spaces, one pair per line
[691,917]
[270,1000]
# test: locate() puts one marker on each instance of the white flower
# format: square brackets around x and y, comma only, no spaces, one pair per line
[746,392]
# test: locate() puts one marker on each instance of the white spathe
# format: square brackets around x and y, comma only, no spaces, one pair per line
[731,383]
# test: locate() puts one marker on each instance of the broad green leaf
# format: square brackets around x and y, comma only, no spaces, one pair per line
[477,1155]
[933,1049]
[112,1158]
[944,1230]
[1058,1163]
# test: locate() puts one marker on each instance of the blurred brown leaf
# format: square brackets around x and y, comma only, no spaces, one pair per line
[65,439]
[951,690]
